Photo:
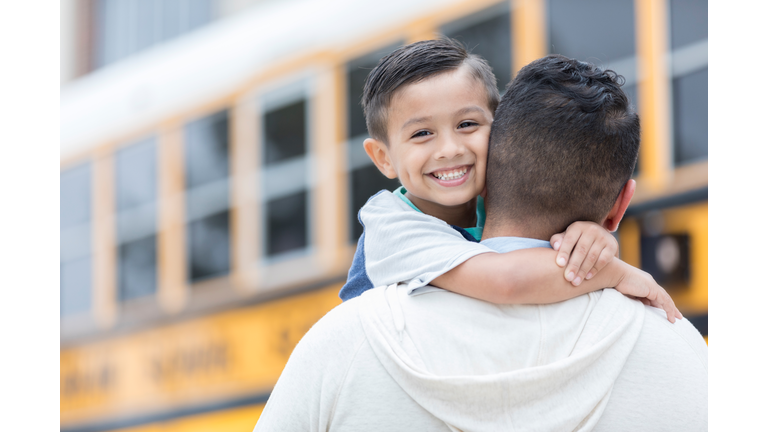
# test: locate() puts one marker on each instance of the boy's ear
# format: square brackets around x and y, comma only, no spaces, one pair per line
[611,223]
[379,154]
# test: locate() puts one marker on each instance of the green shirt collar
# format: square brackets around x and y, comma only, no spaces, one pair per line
[476,231]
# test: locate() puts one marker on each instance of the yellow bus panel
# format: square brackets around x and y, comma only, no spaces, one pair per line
[691,297]
[232,420]
[219,357]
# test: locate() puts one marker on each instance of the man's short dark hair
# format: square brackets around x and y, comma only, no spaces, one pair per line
[413,63]
[563,143]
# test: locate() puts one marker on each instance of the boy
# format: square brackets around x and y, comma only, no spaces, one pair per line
[429,108]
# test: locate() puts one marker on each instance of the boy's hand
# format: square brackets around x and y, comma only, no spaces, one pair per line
[586,247]
[640,285]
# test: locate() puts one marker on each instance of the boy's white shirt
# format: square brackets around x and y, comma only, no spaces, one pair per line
[405,245]
[435,360]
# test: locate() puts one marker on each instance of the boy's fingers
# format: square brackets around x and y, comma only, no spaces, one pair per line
[579,253]
[665,306]
[669,306]
[670,310]
[587,264]
[591,273]
[566,246]
[555,241]
[591,259]
[605,257]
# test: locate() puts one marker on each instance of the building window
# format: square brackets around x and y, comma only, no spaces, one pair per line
[689,101]
[364,178]
[595,31]
[286,135]
[75,242]
[287,223]
[136,201]
[688,22]
[487,34]
[285,172]
[206,161]
[125,27]
[688,41]
[578,30]
[365,181]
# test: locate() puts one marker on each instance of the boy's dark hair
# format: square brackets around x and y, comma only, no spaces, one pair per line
[563,143]
[413,63]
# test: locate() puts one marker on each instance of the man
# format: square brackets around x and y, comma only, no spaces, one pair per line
[563,147]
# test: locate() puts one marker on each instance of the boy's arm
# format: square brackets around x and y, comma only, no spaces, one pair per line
[404,245]
[531,276]
[526,276]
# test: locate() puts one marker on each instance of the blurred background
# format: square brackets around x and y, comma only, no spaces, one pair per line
[212,169]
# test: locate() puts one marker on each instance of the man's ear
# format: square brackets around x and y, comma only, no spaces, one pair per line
[379,154]
[611,223]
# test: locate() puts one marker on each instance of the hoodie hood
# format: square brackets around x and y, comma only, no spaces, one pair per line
[484,367]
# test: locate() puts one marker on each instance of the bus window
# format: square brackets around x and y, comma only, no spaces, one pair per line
[285,174]
[364,178]
[75,242]
[206,170]
[688,41]
[136,200]
[487,34]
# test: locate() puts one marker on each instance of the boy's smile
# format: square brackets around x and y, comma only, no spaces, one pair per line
[451,176]
[438,133]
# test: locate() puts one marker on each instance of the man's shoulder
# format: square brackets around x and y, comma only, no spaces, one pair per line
[341,324]
[682,335]
[666,374]
[307,390]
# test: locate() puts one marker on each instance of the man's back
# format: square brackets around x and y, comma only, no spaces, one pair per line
[406,362]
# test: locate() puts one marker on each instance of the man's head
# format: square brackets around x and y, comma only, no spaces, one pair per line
[563,147]
[429,108]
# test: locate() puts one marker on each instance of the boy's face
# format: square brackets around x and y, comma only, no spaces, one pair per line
[438,139]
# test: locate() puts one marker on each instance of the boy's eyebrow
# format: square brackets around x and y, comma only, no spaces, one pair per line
[415,120]
[469,109]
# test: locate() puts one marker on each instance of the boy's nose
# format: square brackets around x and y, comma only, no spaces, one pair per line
[450,148]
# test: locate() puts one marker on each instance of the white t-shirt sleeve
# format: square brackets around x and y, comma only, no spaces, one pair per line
[406,246]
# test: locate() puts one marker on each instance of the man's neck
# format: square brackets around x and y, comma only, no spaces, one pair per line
[515,229]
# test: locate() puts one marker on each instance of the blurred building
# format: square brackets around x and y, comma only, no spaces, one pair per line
[212,168]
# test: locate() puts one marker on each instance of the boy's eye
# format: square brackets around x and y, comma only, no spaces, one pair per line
[421,133]
[467,124]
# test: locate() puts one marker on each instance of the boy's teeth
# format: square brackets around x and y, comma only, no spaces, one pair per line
[450,175]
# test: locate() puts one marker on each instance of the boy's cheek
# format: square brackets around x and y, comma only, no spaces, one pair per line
[481,187]
[481,173]
[481,183]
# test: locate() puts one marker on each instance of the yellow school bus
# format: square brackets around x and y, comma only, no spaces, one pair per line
[210,184]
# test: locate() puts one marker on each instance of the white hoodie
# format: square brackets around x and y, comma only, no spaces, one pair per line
[481,380]
[434,360]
